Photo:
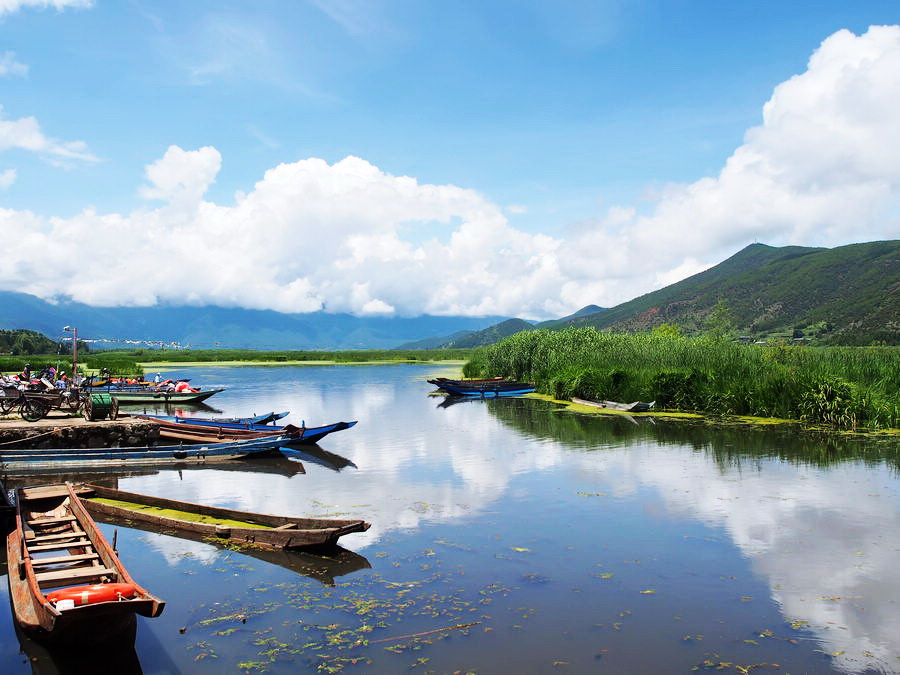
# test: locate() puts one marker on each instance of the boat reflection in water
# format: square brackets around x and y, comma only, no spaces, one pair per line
[180,409]
[323,566]
[278,465]
[119,657]
[316,455]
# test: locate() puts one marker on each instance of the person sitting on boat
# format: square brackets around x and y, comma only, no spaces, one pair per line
[157,379]
[63,381]
[26,373]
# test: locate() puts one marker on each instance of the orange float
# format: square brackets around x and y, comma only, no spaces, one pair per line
[88,595]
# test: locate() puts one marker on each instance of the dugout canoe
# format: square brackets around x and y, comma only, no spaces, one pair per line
[242,527]
[66,582]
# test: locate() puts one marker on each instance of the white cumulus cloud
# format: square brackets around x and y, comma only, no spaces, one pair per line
[7,178]
[822,168]
[9,65]
[11,6]
[25,134]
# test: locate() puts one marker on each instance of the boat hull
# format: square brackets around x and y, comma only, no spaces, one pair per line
[482,388]
[199,430]
[133,397]
[273,532]
[26,460]
[30,572]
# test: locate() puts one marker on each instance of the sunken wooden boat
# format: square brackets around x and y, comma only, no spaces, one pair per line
[241,527]
[635,407]
[66,582]
[490,388]
[199,429]
[23,460]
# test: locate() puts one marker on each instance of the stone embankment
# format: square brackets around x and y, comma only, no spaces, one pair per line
[58,431]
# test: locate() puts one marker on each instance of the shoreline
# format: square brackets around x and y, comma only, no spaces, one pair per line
[725,421]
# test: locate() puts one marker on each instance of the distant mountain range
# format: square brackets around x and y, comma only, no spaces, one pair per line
[844,295]
[209,327]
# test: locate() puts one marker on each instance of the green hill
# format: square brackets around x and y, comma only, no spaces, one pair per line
[489,335]
[844,295]
[434,342]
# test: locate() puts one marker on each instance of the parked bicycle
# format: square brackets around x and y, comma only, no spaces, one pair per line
[31,408]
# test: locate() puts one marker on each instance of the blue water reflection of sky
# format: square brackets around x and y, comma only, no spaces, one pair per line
[626,552]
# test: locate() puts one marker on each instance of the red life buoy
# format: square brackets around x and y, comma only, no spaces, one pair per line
[182,386]
[88,595]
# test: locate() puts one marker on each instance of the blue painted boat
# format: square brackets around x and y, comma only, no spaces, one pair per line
[482,388]
[266,418]
[193,428]
[25,460]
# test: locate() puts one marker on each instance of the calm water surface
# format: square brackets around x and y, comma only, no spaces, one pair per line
[511,536]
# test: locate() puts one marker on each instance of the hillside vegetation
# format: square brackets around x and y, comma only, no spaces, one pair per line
[847,387]
[842,296]
[847,295]
[25,342]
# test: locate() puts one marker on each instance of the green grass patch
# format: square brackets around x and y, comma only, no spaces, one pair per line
[176,514]
[842,387]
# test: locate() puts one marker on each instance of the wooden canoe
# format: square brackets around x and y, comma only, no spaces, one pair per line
[484,388]
[31,459]
[243,527]
[635,407]
[197,430]
[56,544]
[152,396]
[323,565]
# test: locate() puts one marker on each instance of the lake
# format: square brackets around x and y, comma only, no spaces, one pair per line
[513,536]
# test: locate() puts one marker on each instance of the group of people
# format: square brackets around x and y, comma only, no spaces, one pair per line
[27,379]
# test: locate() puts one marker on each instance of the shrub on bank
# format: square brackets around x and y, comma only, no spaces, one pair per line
[708,374]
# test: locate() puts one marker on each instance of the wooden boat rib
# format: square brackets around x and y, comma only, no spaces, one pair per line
[274,532]
[55,544]
[27,460]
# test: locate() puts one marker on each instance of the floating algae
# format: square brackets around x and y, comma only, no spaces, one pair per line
[177,515]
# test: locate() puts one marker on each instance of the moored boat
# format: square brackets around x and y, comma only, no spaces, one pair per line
[634,407]
[198,430]
[66,582]
[27,460]
[244,527]
[130,397]
[482,388]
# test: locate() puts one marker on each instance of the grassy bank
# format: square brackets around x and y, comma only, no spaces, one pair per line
[133,362]
[846,387]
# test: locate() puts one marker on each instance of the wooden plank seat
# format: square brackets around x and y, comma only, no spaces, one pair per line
[80,543]
[51,521]
[41,562]
[74,576]
[55,537]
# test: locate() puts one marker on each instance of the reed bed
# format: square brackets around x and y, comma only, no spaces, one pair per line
[846,387]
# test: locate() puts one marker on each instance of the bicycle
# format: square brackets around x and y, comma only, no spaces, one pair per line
[30,408]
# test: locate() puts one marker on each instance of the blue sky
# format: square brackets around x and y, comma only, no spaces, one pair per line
[552,112]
